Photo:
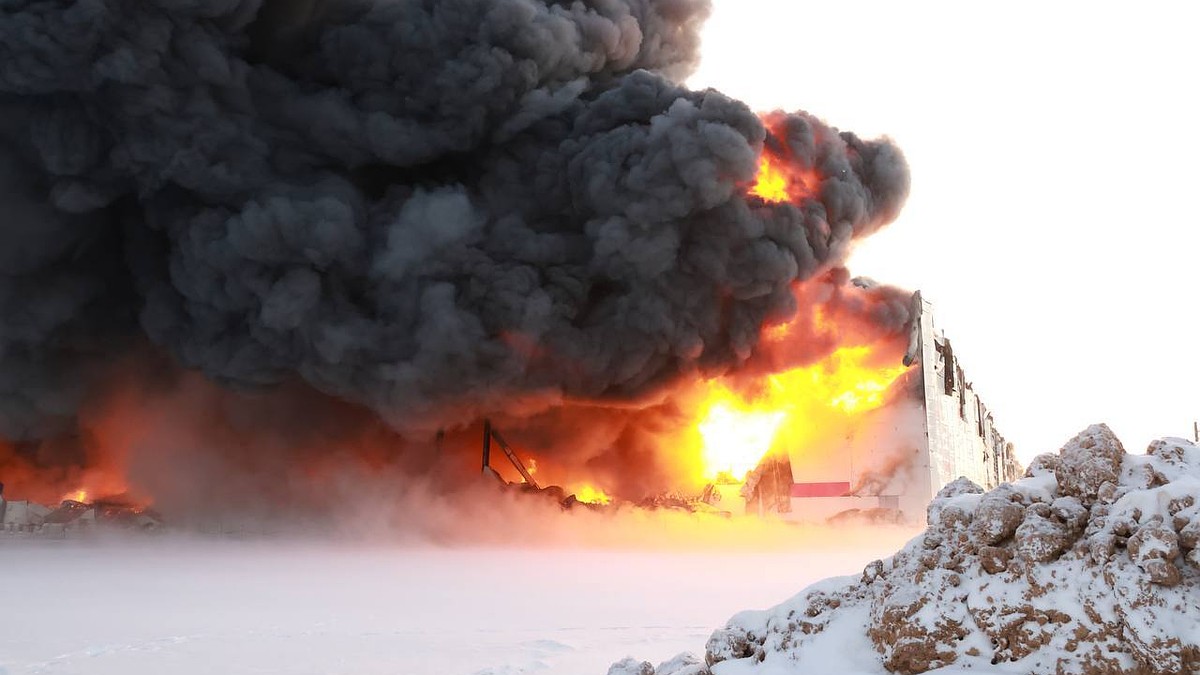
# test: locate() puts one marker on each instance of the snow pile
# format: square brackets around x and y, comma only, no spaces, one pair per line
[1089,564]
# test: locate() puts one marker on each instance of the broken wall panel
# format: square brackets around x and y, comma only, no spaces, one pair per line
[961,436]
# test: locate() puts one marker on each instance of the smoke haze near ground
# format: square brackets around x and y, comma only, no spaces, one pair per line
[297,607]
[214,462]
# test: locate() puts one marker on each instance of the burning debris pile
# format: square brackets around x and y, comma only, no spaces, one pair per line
[425,212]
[1088,565]
[587,496]
[75,515]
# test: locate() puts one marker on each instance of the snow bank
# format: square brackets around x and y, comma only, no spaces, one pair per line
[1090,564]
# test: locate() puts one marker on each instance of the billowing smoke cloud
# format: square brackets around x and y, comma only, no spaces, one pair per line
[434,210]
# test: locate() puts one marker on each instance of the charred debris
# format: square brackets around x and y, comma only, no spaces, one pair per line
[708,501]
[76,516]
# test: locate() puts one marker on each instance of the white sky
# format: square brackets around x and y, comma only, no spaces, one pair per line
[1054,154]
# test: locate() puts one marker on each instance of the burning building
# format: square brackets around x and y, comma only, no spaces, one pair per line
[893,459]
[257,243]
[874,422]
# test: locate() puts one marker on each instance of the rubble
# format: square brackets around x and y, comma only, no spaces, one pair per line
[1089,564]
[667,501]
[24,516]
[73,516]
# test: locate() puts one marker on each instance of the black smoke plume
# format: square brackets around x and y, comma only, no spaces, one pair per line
[436,210]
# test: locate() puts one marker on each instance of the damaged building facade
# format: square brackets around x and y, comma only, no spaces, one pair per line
[934,429]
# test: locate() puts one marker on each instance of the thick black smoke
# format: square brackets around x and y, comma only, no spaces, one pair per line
[437,209]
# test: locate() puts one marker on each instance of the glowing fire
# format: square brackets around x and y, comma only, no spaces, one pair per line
[737,430]
[76,496]
[770,184]
[735,435]
[815,414]
[700,432]
[591,495]
[778,182]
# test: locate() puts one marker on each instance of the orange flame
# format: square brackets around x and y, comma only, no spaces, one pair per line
[80,495]
[807,392]
[734,435]
[778,182]
[591,495]
[770,184]
[736,430]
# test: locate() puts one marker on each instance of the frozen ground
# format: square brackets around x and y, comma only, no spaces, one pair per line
[166,606]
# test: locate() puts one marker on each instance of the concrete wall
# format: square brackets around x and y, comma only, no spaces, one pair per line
[961,436]
[23,514]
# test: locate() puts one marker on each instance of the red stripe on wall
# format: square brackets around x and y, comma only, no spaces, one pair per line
[820,489]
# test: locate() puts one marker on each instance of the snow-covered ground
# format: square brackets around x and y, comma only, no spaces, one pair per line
[234,607]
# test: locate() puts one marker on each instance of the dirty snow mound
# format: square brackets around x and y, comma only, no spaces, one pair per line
[1090,564]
